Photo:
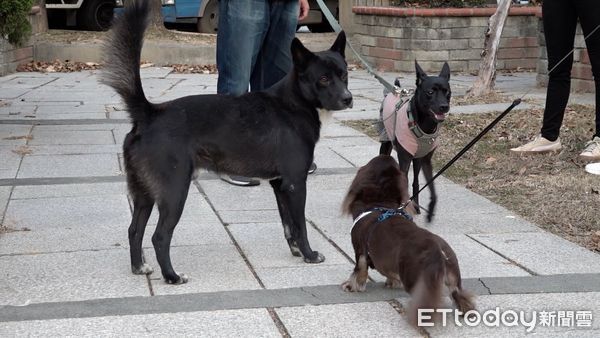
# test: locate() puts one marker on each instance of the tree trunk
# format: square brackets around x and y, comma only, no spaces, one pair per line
[487,69]
[42,23]
[156,19]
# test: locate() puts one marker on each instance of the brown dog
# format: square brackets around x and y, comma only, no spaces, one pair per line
[385,238]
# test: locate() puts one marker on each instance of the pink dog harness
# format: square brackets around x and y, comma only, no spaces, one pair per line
[400,125]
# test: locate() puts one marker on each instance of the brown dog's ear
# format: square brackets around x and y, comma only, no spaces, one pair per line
[348,200]
[301,56]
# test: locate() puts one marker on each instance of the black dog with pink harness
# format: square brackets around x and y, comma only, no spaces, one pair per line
[411,125]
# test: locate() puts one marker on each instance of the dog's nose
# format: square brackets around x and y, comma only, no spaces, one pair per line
[347,100]
[444,108]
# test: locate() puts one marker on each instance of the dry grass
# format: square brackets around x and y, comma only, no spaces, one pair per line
[493,97]
[552,190]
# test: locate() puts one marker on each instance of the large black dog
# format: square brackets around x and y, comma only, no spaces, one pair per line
[412,127]
[269,135]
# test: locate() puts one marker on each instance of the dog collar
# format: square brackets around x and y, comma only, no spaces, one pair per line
[419,133]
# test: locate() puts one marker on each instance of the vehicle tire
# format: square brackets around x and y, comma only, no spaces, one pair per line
[209,22]
[96,15]
[322,27]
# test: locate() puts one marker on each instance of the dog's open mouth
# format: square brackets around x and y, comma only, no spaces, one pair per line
[439,116]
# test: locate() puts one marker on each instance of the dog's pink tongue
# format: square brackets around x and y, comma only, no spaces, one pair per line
[440,116]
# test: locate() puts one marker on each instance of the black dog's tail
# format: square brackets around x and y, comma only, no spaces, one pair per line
[121,58]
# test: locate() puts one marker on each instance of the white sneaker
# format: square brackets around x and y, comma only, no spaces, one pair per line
[593,168]
[592,150]
[539,145]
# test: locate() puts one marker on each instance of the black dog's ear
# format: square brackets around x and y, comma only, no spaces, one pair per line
[445,73]
[340,44]
[300,54]
[420,73]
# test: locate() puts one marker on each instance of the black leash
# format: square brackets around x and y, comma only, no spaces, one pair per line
[465,149]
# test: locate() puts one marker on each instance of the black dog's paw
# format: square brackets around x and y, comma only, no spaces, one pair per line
[144,269]
[181,279]
[316,257]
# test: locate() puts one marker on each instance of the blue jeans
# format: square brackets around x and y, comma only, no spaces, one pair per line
[253,43]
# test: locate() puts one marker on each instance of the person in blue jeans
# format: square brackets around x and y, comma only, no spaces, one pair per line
[253,48]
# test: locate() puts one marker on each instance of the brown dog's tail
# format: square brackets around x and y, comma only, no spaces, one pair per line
[121,58]
[427,291]
[463,300]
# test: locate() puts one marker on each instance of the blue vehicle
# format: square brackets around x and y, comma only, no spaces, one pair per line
[205,14]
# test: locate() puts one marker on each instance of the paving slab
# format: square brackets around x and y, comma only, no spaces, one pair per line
[69,190]
[477,261]
[249,216]
[334,142]
[51,240]
[10,161]
[328,158]
[69,166]
[225,323]
[72,137]
[27,81]
[542,253]
[477,223]
[12,93]
[69,212]
[359,155]
[13,109]
[332,129]
[78,149]
[304,276]
[265,246]
[14,134]
[377,319]
[68,276]
[4,195]
[210,268]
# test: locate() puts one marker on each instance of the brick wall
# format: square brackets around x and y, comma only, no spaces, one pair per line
[11,56]
[582,79]
[391,38]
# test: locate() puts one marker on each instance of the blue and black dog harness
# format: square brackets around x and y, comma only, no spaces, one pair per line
[385,213]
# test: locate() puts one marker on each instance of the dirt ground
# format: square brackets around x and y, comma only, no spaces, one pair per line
[551,190]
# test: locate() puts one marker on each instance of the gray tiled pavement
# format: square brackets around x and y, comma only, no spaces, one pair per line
[63,196]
